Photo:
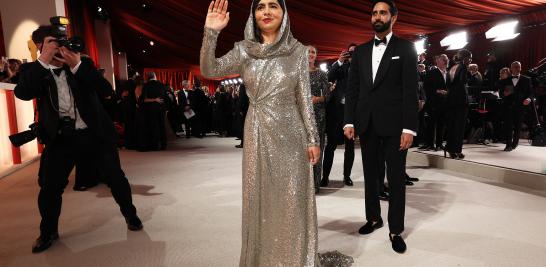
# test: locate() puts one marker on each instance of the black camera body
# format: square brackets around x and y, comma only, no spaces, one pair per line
[24,137]
[60,32]
[67,126]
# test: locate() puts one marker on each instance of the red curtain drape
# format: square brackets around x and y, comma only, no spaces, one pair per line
[82,22]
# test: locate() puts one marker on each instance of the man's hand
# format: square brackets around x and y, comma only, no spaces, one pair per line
[332,86]
[70,58]
[349,132]
[50,47]
[421,104]
[314,154]
[441,92]
[526,102]
[344,56]
[405,141]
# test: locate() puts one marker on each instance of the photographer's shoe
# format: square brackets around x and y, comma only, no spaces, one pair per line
[44,242]
[134,223]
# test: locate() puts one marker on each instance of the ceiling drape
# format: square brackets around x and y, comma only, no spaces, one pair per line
[176,26]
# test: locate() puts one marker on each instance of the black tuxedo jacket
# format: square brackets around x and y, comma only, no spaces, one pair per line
[390,103]
[37,82]
[435,81]
[182,99]
[339,75]
[457,88]
[522,91]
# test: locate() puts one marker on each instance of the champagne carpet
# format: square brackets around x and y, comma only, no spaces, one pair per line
[189,199]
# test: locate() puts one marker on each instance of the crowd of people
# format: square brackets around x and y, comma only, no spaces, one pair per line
[146,112]
[493,107]
[9,70]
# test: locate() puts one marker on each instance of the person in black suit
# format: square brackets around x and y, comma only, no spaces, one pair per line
[382,109]
[241,110]
[335,108]
[516,92]
[74,127]
[436,91]
[152,135]
[457,104]
[185,105]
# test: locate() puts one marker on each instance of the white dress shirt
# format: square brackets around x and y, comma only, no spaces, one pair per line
[67,107]
[515,80]
[377,55]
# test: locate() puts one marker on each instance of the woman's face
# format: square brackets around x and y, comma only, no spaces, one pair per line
[312,55]
[269,15]
[504,74]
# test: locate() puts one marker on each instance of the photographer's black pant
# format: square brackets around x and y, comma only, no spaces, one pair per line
[58,160]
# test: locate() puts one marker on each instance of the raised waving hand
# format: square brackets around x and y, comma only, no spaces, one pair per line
[217,16]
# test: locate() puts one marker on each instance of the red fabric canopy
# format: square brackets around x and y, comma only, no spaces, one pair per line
[176,26]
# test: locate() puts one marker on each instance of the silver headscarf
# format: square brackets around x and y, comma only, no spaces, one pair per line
[284,45]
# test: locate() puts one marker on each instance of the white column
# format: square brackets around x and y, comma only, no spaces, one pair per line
[122,66]
[104,46]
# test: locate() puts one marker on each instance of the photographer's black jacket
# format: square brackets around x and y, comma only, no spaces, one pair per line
[37,82]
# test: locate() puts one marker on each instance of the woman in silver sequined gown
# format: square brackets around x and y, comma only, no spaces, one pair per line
[279,226]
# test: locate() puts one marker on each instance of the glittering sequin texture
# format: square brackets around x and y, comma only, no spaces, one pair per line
[279,226]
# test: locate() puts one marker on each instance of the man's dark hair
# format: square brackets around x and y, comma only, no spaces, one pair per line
[351,45]
[392,6]
[41,33]
[257,31]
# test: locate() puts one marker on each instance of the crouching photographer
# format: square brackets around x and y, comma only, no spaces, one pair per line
[73,126]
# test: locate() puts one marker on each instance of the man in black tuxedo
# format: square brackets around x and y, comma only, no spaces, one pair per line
[382,109]
[335,109]
[73,126]
[185,105]
[436,90]
[516,92]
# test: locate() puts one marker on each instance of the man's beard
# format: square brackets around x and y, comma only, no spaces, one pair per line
[380,27]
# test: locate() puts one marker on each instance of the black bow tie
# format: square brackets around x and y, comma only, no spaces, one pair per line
[58,71]
[382,41]
[515,77]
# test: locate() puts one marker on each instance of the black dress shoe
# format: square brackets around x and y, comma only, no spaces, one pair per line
[460,155]
[369,227]
[347,181]
[80,188]
[44,242]
[324,182]
[133,223]
[409,183]
[453,155]
[398,243]
[514,146]
[412,179]
[384,196]
[508,149]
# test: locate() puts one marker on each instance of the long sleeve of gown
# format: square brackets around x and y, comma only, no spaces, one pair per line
[303,97]
[212,67]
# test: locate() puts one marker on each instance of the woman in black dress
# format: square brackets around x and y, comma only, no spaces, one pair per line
[320,91]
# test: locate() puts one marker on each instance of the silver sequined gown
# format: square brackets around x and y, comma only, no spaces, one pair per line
[279,226]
